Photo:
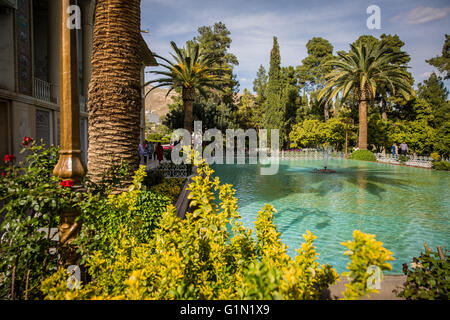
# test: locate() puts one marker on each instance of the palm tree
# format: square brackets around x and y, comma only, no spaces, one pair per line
[191,71]
[115,96]
[366,68]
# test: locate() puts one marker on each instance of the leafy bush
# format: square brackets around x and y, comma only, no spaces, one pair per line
[403,159]
[136,212]
[31,199]
[364,252]
[441,165]
[153,178]
[171,188]
[364,155]
[428,278]
[209,255]
[435,156]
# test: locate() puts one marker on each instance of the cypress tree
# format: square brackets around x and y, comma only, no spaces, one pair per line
[273,117]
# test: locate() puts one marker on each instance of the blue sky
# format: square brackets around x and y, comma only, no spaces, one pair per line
[420,24]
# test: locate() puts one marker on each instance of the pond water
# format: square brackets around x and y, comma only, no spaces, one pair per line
[403,206]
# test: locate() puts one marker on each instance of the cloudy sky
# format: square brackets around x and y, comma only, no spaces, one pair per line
[253,23]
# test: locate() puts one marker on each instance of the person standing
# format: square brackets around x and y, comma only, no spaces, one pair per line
[150,151]
[145,152]
[394,150]
[159,152]
[140,152]
[404,148]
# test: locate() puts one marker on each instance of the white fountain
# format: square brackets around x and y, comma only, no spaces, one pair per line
[325,160]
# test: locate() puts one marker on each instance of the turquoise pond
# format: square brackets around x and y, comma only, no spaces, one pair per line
[403,206]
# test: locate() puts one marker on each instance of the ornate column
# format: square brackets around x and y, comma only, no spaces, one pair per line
[69,166]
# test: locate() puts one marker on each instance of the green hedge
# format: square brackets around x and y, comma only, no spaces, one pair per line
[364,155]
[441,165]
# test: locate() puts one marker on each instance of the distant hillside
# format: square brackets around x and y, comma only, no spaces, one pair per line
[156,101]
[157,104]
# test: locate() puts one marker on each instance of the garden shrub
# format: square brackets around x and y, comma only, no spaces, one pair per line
[136,211]
[435,156]
[171,188]
[210,255]
[441,165]
[403,159]
[364,155]
[31,199]
[428,278]
[364,252]
[153,178]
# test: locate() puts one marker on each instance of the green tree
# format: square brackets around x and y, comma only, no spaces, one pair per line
[442,63]
[245,110]
[386,96]
[364,69]
[273,116]
[433,91]
[417,134]
[313,69]
[379,132]
[335,132]
[214,42]
[260,87]
[191,71]
[309,133]
[290,101]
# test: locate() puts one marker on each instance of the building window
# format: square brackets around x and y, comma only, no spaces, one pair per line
[44,126]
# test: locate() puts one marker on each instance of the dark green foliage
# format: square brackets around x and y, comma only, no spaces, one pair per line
[31,199]
[428,278]
[104,217]
[433,91]
[214,42]
[364,155]
[441,165]
[442,63]
[403,159]
[153,178]
[273,116]
[208,112]
[313,69]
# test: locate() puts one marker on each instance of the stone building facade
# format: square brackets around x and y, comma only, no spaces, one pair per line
[29,72]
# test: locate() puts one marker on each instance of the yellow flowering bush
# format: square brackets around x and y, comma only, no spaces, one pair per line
[207,255]
[364,252]
[170,187]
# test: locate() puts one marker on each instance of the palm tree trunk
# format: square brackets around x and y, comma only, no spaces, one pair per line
[363,104]
[114,91]
[188,96]
[383,110]
[326,111]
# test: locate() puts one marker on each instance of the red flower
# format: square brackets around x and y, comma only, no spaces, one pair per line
[67,183]
[3,174]
[405,268]
[26,141]
[9,158]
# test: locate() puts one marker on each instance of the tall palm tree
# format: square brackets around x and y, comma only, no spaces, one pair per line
[366,68]
[191,71]
[115,96]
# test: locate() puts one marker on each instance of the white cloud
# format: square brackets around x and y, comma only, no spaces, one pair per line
[421,15]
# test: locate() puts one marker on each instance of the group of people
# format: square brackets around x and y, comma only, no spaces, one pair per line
[402,149]
[147,151]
